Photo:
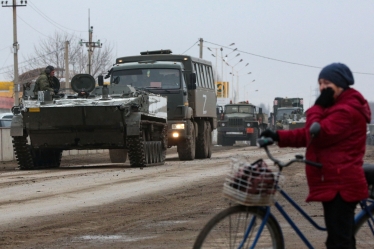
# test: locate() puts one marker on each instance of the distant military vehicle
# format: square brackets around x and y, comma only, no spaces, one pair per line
[289,118]
[124,121]
[241,122]
[219,110]
[188,84]
[288,113]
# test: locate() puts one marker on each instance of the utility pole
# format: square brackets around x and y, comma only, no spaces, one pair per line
[90,44]
[16,87]
[201,48]
[67,77]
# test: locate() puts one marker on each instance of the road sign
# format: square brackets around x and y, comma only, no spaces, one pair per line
[222,89]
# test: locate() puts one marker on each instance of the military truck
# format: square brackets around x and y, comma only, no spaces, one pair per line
[241,122]
[188,84]
[126,121]
[288,113]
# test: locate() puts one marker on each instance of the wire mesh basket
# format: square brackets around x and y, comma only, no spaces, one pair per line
[251,184]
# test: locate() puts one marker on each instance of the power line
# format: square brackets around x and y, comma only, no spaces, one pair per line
[5,48]
[283,61]
[49,19]
[3,68]
[31,26]
[190,47]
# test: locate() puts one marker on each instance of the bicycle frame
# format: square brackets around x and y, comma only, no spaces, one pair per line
[367,206]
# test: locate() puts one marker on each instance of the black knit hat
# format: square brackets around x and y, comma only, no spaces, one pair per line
[50,68]
[337,73]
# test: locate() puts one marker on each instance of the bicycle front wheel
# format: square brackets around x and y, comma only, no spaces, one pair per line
[227,229]
[364,232]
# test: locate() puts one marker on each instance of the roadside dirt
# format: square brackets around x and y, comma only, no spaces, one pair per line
[90,203]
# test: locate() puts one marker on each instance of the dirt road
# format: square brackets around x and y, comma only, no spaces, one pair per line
[90,203]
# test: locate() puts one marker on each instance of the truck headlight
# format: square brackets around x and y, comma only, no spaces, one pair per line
[175,134]
[177,126]
[223,124]
[248,124]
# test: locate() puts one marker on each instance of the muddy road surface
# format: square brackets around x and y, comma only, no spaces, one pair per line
[90,203]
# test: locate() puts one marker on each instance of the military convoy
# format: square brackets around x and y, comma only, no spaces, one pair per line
[153,101]
[240,122]
[126,121]
[188,84]
[288,114]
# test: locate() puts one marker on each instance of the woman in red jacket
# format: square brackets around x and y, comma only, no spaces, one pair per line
[340,147]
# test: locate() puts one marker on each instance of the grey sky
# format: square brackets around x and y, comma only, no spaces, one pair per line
[312,33]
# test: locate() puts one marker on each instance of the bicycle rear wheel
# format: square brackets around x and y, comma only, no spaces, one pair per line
[227,229]
[364,232]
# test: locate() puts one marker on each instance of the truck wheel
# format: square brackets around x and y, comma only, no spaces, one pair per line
[202,143]
[118,155]
[254,137]
[210,143]
[186,148]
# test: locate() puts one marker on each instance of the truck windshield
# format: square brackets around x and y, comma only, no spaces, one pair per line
[239,109]
[148,78]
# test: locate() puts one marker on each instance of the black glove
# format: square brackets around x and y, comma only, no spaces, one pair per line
[326,99]
[268,133]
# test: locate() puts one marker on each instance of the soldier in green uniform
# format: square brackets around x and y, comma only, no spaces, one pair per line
[47,81]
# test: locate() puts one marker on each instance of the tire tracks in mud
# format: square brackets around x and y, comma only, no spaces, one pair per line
[53,191]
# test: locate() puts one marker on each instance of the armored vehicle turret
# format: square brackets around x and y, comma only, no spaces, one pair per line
[125,121]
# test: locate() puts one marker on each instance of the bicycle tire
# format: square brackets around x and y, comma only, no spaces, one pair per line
[226,229]
[363,234]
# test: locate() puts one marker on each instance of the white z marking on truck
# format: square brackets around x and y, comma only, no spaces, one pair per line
[204,111]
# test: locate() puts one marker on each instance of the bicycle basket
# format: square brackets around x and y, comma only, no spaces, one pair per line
[251,184]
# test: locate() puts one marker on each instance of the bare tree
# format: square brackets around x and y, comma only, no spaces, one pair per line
[50,51]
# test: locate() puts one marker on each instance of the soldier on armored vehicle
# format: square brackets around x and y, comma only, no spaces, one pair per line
[47,81]
[125,121]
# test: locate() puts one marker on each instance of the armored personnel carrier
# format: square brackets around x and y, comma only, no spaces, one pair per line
[289,118]
[127,122]
[288,114]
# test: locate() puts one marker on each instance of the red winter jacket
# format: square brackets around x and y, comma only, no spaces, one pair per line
[340,147]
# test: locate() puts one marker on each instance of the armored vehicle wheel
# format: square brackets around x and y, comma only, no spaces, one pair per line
[23,153]
[254,136]
[46,158]
[154,153]
[118,155]
[186,149]
[142,152]
[136,150]
[202,141]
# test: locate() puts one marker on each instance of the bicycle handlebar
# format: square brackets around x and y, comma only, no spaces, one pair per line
[264,142]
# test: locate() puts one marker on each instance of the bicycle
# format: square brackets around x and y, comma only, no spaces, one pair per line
[250,224]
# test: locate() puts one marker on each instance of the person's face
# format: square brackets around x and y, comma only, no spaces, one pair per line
[52,73]
[325,84]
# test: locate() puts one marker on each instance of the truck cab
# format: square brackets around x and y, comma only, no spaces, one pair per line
[240,122]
